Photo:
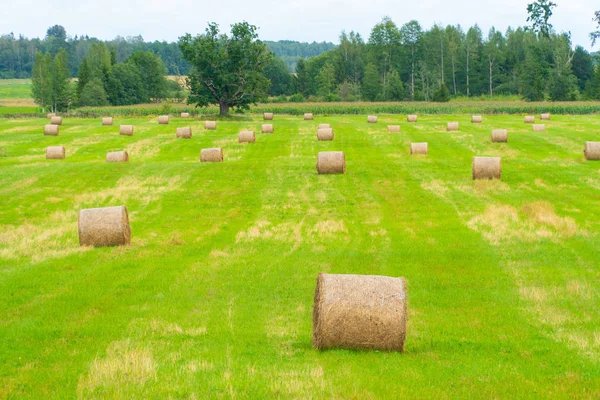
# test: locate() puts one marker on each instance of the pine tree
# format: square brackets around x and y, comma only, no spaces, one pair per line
[371,86]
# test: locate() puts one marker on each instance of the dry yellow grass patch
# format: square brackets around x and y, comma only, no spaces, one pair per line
[146,148]
[328,228]
[438,187]
[542,213]
[265,230]
[302,383]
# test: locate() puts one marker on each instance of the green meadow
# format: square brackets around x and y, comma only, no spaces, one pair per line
[214,296]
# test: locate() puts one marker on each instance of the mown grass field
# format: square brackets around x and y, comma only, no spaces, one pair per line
[213,299]
[15,97]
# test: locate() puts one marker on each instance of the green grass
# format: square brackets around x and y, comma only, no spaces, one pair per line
[213,298]
[15,88]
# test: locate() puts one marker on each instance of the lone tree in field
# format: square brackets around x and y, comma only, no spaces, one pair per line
[227,70]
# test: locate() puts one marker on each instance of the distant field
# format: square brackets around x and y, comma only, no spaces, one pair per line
[15,97]
[213,299]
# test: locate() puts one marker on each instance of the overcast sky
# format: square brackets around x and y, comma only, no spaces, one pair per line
[307,20]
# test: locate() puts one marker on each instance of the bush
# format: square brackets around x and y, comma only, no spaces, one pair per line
[297,98]
[442,95]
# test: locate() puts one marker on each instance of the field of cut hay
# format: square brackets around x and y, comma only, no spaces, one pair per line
[213,298]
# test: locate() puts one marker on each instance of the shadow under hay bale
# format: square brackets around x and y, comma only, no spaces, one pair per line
[539,127]
[325,134]
[331,162]
[51,130]
[267,128]
[268,116]
[211,155]
[126,130]
[487,168]
[100,227]
[246,137]
[184,133]
[476,119]
[394,128]
[107,121]
[529,119]
[56,120]
[362,312]
[452,127]
[499,136]
[372,119]
[55,153]
[184,115]
[210,125]
[411,118]
[592,150]
[117,156]
[545,117]
[418,148]
[163,120]
[309,117]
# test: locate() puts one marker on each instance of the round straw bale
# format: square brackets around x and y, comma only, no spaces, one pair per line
[126,130]
[418,148]
[545,117]
[499,135]
[411,118]
[487,168]
[324,126]
[539,127]
[210,125]
[592,150]
[211,155]
[476,119]
[117,156]
[267,128]
[325,134]
[51,130]
[363,312]
[107,121]
[309,117]
[529,119]
[452,126]
[185,115]
[246,137]
[331,162]
[55,152]
[107,226]
[394,128]
[268,116]
[163,120]
[56,120]
[372,119]
[184,133]
[50,115]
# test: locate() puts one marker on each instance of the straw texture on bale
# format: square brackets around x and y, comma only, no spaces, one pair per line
[452,126]
[51,130]
[107,121]
[476,119]
[592,150]
[55,153]
[325,134]
[499,135]
[184,133]
[246,137]
[117,156]
[324,126]
[211,155]
[267,128]
[545,117]
[268,116]
[126,130]
[331,162]
[487,168]
[411,118]
[363,312]
[394,128]
[56,120]
[529,119]
[309,117]
[539,127]
[50,115]
[418,148]
[210,125]
[185,115]
[372,119]
[101,227]
[163,119]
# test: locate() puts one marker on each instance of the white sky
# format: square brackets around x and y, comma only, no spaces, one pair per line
[306,20]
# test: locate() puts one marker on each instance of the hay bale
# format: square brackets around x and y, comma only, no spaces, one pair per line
[331,162]
[539,127]
[51,130]
[592,150]
[476,119]
[50,115]
[184,115]
[309,117]
[246,137]
[487,168]
[211,155]
[267,128]
[529,119]
[163,120]
[56,120]
[499,135]
[268,116]
[117,156]
[184,133]
[101,227]
[411,118]
[210,125]
[325,134]
[394,128]
[324,126]
[107,121]
[55,153]
[126,130]
[363,312]
[372,119]
[452,127]
[545,117]
[418,148]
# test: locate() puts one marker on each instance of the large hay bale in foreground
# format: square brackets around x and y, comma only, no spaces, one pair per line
[107,121]
[163,120]
[324,126]
[411,118]
[372,119]
[268,116]
[418,148]
[101,227]
[55,152]
[184,132]
[210,125]
[452,127]
[246,137]
[545,117]
[51,130]
[487,168]
[117,156]
[331,162]
[394,128]
[529,119]
[211,155]
[126,130]
[309,117]
[539,127]
[56,120]
[476,119]
[184,115]
[363,312]
[499,136]
[592,150]
[325,134]
[267,128]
